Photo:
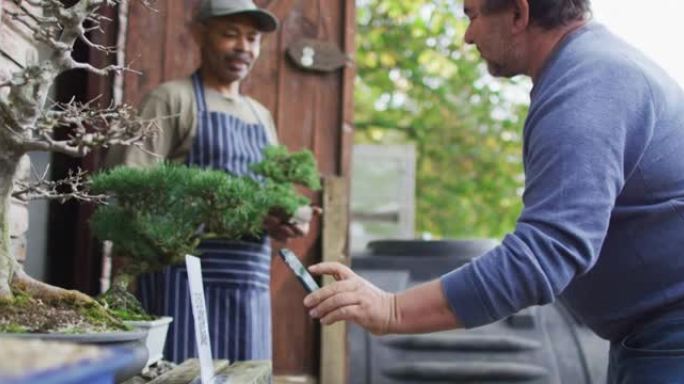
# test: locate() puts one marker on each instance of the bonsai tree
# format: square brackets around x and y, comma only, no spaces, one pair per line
[28,124]
[169,209]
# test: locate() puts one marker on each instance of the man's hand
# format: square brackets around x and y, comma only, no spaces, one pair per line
[282,229]
[351,298]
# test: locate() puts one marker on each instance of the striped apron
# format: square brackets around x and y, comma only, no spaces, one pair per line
[236,273]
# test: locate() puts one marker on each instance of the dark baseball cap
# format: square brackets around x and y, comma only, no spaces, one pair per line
[266,21]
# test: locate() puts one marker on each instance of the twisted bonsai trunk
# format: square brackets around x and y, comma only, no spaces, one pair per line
[119,300]
[8,264]
[13,278]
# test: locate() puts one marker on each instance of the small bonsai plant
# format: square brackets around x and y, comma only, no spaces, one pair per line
[157,215]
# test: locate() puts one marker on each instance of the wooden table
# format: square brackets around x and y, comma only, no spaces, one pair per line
[241,372]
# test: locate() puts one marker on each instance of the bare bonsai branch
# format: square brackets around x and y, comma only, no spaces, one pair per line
[102,71]
[89,128]
[38,19]
[74,186]
[44,28]
[99,47]
[34,3]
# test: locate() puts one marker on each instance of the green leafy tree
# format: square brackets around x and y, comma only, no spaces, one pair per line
[418,82]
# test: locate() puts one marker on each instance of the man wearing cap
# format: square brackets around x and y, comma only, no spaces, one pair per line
[205,121]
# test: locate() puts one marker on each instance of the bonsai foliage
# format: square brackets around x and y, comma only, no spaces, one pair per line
[158,215]
[28,123]
[283,167]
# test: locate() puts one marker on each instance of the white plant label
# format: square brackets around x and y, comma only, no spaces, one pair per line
[199,314]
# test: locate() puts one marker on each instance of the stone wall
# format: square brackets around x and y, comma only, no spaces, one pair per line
[16,51]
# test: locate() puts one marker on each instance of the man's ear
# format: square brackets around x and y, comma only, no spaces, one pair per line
[521,15]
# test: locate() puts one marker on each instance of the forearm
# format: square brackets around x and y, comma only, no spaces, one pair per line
[423,308]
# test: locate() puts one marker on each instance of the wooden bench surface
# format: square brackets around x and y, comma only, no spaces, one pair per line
[241,372]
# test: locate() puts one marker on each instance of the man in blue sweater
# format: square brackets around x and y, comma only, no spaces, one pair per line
[603,219]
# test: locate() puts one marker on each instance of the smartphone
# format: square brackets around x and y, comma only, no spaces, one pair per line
[304,277]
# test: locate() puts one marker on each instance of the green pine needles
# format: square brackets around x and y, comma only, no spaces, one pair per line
[157,215]
[283,167]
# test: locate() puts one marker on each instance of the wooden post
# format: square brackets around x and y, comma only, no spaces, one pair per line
[346,137]
[335,248]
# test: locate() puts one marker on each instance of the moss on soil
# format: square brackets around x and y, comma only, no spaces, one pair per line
[26,314]
[123,304]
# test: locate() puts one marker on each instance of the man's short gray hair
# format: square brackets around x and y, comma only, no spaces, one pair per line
[547,14]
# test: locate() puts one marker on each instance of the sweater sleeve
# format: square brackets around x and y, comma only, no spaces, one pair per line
[159,108]
[583,137]
[159,146]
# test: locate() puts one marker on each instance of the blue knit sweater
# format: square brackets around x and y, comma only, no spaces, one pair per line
[603,219]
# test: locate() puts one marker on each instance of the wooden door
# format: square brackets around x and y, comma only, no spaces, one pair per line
[311,110]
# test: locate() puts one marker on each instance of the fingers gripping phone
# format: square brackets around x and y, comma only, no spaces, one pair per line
[304,277]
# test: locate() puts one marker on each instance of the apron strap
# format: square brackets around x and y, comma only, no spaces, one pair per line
[254,111]
[201,101]
[198,87]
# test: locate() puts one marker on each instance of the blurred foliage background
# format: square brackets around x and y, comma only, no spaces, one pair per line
[419,83]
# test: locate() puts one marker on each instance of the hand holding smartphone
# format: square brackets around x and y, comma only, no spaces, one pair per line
[304,277]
